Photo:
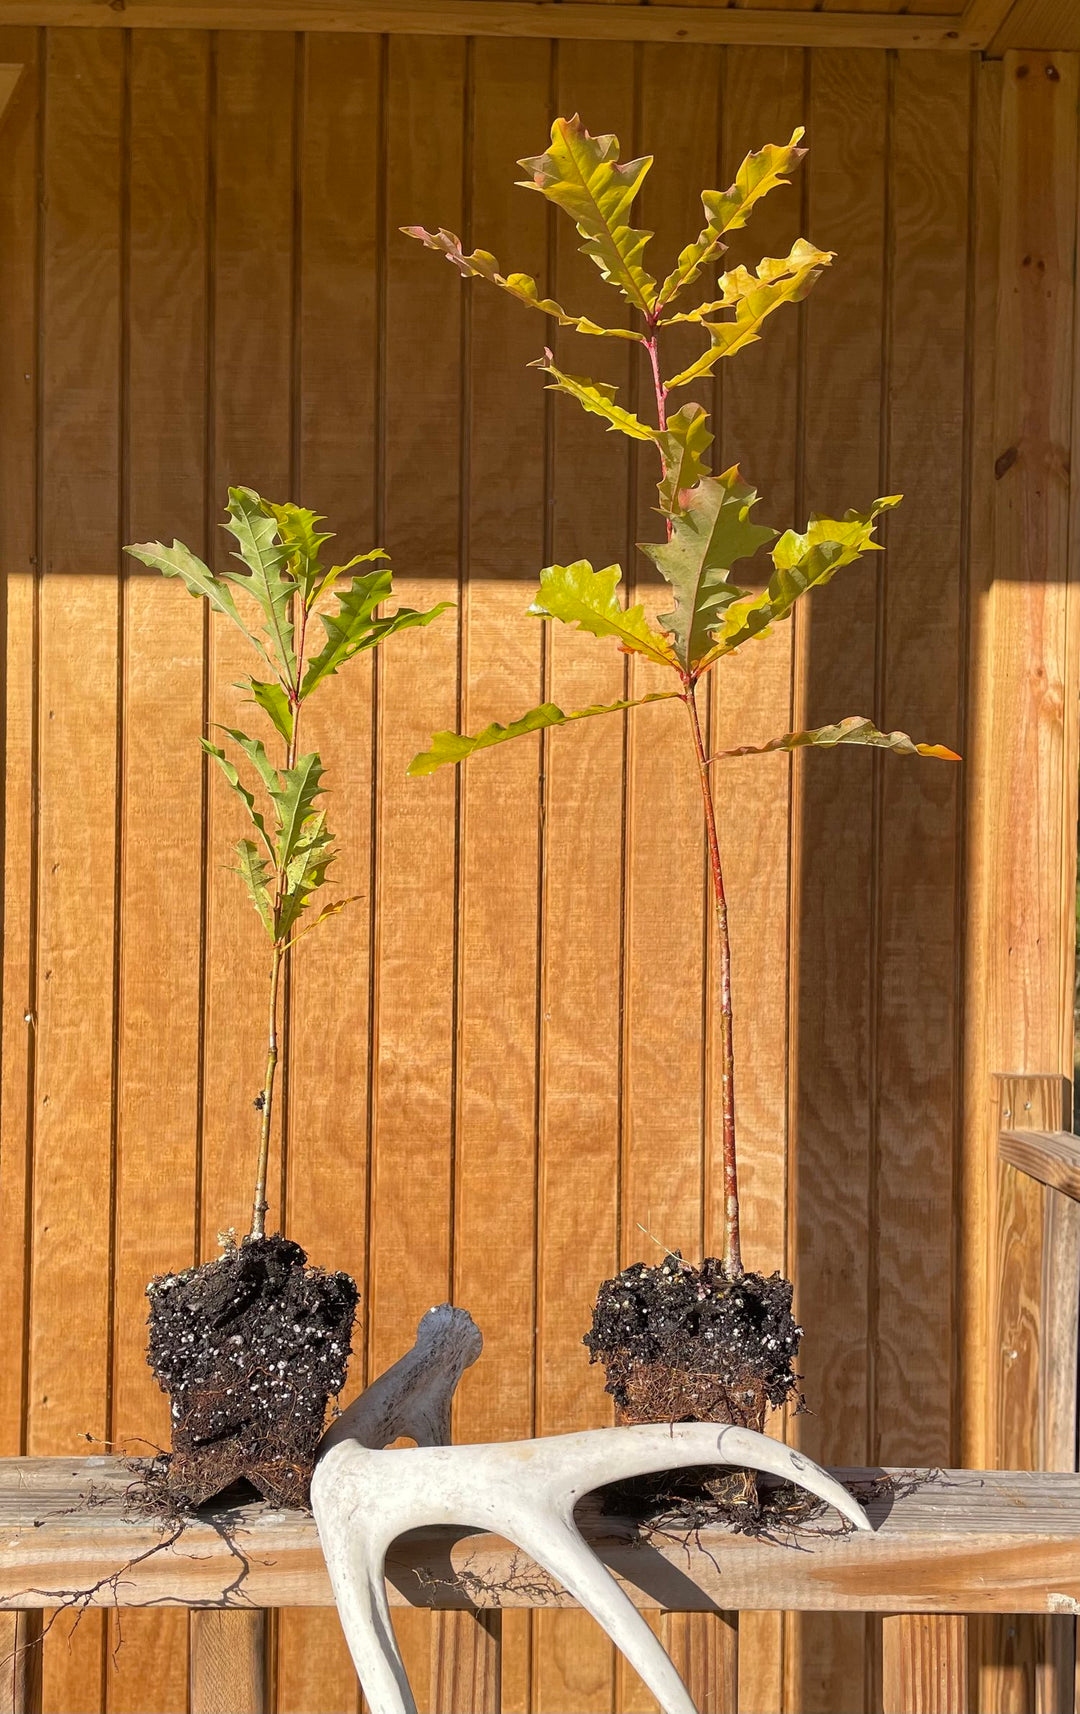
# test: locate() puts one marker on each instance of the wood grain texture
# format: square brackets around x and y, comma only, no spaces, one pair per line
[20,1663]
[925,1664]
[18,605]
[1052,1157]
[1052,24]
[465,1663]
[704,1648]
[835,1141]
[941,1541]
[228,1663]
[516,18]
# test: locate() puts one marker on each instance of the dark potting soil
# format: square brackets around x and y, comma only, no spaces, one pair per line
[250,1348]
[685,1344]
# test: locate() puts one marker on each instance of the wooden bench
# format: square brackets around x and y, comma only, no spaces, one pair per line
[947,1543]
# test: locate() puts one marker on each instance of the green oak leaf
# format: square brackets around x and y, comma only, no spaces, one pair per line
[683,445]
[448,748]
[482,265]
[853,730]
[294,801]
[711,531]
[776,281]
[597,397]
[802,562]
[233,779]
[354,627]
[305,871]
[273,700]
[580,596]
[583,176]
[255,751]
[296,527]
[179,561]
[266,577]
[255,874]
[727,210]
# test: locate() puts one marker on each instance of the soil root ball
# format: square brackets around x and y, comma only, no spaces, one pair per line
[250,1348]
[686,1344]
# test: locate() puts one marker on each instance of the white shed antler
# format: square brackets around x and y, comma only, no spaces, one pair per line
[364,1497]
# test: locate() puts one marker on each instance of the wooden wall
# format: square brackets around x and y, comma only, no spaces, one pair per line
[502,1060]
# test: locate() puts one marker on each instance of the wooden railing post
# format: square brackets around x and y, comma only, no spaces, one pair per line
[20,1662]
[228,1661]
[1028,1663]
[466,1662]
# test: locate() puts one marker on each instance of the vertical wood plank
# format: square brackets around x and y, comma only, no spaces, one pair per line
[20,1662]
[73,1143]
[752,698]
[412,1192]
[834,994]
[228,1662]
[465,1662]
[250,438]
[335,324]
[502,668]
[912,1330]
[924,1664]
[161,827]
[18,558]
[704,1648]
[581,1106]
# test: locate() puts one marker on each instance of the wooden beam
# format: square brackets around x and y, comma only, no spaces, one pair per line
[550,19]
[1053,1157]
[943,1541]
[9,77]
[983,18]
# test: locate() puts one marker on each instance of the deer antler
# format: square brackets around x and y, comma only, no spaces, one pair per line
[364,1497]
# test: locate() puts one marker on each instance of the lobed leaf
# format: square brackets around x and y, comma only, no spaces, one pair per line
[179,561]
[266,576]
[246,797]
[482,265]
[683,445]
[853,730]
[801,562]
[331,910]
[304,873]
[727,210]
[709,534]
[294,800]
[577,594]
[597,397]
[448,748]
[583,176]
[254,873]
[777,280]
[354,627]
[255,751]
[273,699]
[301,541]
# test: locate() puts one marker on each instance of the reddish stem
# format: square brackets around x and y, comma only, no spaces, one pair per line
[732,1248]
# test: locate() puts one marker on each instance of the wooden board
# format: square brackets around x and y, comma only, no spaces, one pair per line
[976,1541]
[543,18]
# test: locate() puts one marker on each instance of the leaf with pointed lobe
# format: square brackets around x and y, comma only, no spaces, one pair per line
[802,562]
[274,701]
[301,539]
[294,802]
[710,533]
[583,176]
[448,748]
[854,730]
[683,445]
[728,210]
[580,596]
[266,577]
[237,785]
[481,265]
[255,874]
[199,580]
[754,297]
[354,627]
[596,397]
